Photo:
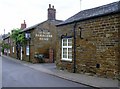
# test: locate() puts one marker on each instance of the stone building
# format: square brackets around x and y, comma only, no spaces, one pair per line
[88,41]
[6,43]
[41,39]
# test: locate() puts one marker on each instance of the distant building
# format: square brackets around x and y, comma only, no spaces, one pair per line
[41,39]
[6,42]
[88,42]
[0,38]
[0,44]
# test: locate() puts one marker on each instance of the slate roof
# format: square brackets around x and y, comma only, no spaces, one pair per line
[34,26]
[0,37]
[94,12]
[6,36]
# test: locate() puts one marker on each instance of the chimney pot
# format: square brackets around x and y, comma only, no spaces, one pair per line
[23,25]
[51,13]
[49,5]
[24,22]
[53,7]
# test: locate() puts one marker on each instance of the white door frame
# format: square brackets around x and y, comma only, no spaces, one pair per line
[21,53]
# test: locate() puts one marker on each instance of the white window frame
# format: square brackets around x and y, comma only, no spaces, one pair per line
[13,49]
[66,59]
[27,50]
[9,51]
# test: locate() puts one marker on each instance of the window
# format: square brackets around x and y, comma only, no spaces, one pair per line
[13,50]
[27,50]
[9,51]
[67,49]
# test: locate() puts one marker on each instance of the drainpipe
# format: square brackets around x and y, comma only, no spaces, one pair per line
[74,47]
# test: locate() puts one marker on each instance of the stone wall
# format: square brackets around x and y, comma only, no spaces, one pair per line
[12,44]
[43,37]
[96,46]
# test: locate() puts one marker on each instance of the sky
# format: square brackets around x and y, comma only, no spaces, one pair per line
[14,12]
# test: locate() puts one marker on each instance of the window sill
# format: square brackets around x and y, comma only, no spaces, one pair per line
[66,60]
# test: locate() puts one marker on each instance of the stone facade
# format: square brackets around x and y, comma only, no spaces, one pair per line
[43,38]
[96,46]
[43,41]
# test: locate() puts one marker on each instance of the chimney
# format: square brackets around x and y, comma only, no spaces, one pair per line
[23,25]
[51,13]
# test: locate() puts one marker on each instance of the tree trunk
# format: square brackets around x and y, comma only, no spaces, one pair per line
[17,50]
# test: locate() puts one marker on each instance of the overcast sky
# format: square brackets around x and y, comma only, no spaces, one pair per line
[13,12]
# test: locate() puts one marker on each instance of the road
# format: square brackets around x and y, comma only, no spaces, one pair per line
[17,75]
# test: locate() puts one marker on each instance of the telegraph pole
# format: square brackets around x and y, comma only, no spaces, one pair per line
[4,33]
[80,4]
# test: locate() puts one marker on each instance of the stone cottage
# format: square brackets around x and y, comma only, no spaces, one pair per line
[41,39]
[88,41]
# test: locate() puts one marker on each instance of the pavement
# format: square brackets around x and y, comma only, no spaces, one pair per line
[93,81]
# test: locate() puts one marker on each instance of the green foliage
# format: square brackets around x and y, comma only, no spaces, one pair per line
[21,38]
[18,36]
[2,50]
[6,46]
[14,34]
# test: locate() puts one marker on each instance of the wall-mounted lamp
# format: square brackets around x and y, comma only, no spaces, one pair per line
[81,29]
[27,36]
[64,35]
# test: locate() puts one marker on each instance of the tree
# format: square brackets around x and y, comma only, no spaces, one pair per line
[19,39]
[5,46]
[18,36]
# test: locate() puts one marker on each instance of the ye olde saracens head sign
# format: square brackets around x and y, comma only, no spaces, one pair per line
[43,34]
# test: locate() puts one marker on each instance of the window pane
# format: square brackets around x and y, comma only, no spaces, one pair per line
[69,49]
[69,42]
[70,53]
[64,56]
[69,56]
[64,42]
[64,51]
